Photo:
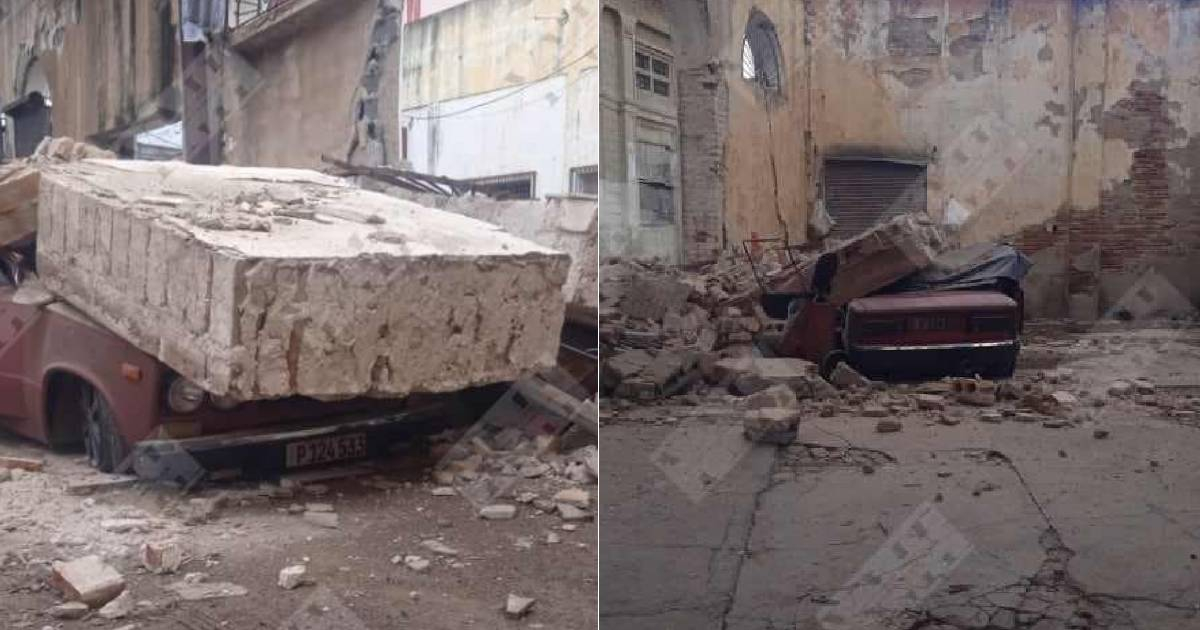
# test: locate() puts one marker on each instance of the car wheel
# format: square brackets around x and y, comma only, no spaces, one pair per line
[105,449]
[830,362]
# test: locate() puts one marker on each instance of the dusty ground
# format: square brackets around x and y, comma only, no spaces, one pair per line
[974,524]
[355,583]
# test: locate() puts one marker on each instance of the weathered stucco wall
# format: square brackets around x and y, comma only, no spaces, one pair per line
[321,80]
[110,66]
[1068,126]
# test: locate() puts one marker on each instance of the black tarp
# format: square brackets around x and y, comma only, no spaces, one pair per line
[982,266]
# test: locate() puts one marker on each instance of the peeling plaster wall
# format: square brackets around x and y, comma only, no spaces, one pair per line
[326,87]
[1067,126]
[110,66]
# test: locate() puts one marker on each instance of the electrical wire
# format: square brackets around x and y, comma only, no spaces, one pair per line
[515,92]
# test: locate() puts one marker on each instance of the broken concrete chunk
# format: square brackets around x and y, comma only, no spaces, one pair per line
[161,557]
[569,512]
[845,377]
[931,402]
[517,606]
[416,563]
[1120,389]
[777,396]
[498,512]
[120,607]
[439,547]
[748,375]
[292,577]
[88,579]
[69,610]
[322,519]
[573,496]
[771,426]
[888,426]
[258,316]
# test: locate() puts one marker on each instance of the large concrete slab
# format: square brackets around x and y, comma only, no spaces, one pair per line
[265,283]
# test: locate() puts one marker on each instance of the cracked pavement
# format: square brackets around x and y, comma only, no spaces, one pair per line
[1058,529]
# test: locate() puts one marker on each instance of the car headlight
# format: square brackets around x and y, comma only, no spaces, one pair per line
[224,403]
[184,396]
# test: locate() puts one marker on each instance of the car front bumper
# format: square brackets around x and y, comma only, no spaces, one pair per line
[897,362]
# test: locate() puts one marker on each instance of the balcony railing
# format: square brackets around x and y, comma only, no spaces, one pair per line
[247,10]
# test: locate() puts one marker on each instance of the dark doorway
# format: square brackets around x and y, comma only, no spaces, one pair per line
[31,122]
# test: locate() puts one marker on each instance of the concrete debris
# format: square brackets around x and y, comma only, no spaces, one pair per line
[416,563]
[293,576]
[498,512]
[845,377]
[771,426]
[975,392]
[875,411]
[249,305]
[573,496]
[438,547]
[777,396]
[5,475]
[517,606]
[196,587]
[888,426]
[882,255]
[568,512]
[1120,389]
[1144,386]
[745,376]
[88,579]
[120,607]
[22,463]
[161,557]
[322,519]
[930,402]
[69,610]
[444,491]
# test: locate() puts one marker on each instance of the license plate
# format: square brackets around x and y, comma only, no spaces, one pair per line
[929,323]
[329,449]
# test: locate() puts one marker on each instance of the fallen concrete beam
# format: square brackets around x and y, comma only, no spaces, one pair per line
[18,203]
[567,224]
[264,283]
[882,255]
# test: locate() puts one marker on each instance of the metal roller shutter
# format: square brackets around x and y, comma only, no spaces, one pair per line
[860,193]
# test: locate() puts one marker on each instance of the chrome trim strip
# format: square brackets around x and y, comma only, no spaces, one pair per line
[943,346]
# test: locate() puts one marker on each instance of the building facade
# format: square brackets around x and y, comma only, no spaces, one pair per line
[1066,126]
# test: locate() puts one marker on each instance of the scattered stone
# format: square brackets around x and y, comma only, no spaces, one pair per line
[203,509]
[1120,389]
[571,513]
[161,557]
[771,426]
[1143,386]
[991,416]
[777,396]
[195,587]
[498,512]
[888,426]
[120,607]
[930,402]
[22,463]
[444,491]
[875,411]
[1100,434]
[292,577]
[69,610]
[975,392]
[1149,400]
[318,507]
[125,525]
[1064,399]
[440,548]
[87,579]
[553,538]
[517,606]
[1056,424]
[845,377]
[322,519]
[573,496]
[416,563]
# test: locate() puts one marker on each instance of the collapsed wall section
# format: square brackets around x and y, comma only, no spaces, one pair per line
[265,283]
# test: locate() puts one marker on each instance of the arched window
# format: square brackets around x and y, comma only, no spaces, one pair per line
[761,61]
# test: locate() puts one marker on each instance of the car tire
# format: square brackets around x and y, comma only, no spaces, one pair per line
[105,449]
[830,362]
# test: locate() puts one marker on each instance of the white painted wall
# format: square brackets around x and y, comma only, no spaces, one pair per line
[547,127]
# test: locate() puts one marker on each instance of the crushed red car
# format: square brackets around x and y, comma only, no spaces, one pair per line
[960,316]
[68,382]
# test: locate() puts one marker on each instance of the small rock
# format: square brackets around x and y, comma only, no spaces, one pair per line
[517,606]
[498,512]
[416,563]
[322,519]
[553,538]
[293,576]
[1056,424]
[161,557]
[843,376]
[875,411]
[949,421]
[440,548]
[571,513]
[573,496]
[444,491]
[69,610]
[87,579]
[1100,434]
[888,426]
[931,402]
[318,507]
[119,608]
[991,416]
[1120,389]
[778,396]
[771,426]
[1143,386]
